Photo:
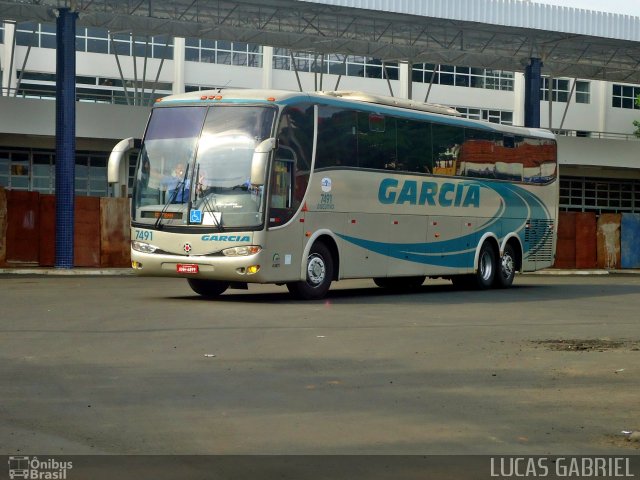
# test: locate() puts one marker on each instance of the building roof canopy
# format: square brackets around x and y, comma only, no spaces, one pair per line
[497,34]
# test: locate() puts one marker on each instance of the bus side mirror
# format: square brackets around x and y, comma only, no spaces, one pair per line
[114,171]
[260,160]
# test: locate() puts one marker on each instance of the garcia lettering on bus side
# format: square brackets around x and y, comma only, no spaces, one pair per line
[445,194]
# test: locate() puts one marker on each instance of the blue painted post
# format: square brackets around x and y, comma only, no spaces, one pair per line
[532,86]
[630,240]
[65,135]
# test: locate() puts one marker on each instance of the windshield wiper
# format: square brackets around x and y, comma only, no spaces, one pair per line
[180,185]
[205,200]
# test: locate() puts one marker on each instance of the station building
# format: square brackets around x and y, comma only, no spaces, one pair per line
[120,75]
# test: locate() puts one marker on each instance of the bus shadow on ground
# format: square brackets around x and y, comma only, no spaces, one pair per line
[431,295]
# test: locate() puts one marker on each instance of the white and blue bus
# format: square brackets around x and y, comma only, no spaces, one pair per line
[251,186]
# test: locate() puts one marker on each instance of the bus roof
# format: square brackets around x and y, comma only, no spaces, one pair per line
[446,114]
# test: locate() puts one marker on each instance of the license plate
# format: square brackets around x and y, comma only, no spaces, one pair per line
[187,268]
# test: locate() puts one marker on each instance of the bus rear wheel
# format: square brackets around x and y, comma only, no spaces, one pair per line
[507,271]
[207,288]
[400,283]
[319,274]
[486,272]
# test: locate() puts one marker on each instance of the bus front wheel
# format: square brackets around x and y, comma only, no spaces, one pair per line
[319,274]
[207,288]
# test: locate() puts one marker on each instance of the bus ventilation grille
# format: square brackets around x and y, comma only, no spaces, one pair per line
[539,238]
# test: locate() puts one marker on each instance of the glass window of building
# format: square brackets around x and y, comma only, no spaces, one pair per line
[32,34]
[223,52]
[93,89]
[463,76]
[353,65]
[600,195]
[624,96]
[34,170]
[503,117]
[561,90]
[583,91]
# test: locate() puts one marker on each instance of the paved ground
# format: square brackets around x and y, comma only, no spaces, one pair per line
[120,365]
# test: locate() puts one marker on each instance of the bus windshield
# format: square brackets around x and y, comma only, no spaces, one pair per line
[200,157]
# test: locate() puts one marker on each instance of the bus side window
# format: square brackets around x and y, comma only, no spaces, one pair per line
[337,140]
[414,146]
[377,141]
[447,140]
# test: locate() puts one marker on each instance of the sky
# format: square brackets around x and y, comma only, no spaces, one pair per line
[625,7]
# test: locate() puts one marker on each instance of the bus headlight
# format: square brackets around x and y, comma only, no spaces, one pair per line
[241,251]
[142,247]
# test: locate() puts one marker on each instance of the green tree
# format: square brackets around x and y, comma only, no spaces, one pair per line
[636,123]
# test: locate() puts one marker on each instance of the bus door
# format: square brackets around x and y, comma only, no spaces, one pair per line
[284,237]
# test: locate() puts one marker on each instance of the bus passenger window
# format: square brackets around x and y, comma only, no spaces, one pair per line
[377,141]
[414,146]
[447,141]
[336,138]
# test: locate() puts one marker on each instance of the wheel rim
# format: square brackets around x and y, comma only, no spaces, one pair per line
[486,266]
[316,270]
[507,265]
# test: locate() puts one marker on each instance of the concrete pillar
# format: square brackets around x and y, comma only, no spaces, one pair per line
[65,135]
[604,96]
[178,64]
[406,80]
[9,73]
[532,84]
[267,67]
[518,99]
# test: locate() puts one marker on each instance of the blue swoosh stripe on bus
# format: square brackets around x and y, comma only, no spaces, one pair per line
[516,204]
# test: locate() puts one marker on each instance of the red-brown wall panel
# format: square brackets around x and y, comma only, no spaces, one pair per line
[86,236]
[566,246]
[47,230]
[3,226]
[23,231]
[586,240]
[114,232]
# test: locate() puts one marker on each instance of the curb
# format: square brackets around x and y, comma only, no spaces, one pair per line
[67,272]
[115,272]
[559,272]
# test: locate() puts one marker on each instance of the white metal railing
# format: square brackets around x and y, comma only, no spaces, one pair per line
[588,134]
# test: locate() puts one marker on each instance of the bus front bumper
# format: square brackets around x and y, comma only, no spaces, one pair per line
[247,268]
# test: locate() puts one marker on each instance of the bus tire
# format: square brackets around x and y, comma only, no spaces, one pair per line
[507,268]
[487,266]
[398,284]
[319,274]
[207,288]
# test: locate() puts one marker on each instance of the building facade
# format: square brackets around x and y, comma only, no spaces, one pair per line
[120,75]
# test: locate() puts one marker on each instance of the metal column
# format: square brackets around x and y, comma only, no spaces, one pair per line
[65,135]
[532,85]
